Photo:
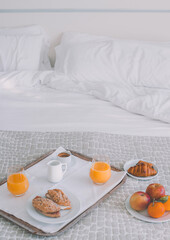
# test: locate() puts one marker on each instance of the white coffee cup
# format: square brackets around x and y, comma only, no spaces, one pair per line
[55,170]
[64,157]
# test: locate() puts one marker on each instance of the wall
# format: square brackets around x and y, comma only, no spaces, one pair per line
[89,4]
[144,19]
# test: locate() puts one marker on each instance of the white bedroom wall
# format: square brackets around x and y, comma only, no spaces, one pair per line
[133,19]
[130,4]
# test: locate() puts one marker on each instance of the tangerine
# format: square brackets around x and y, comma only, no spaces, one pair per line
[167,204]
[156,209]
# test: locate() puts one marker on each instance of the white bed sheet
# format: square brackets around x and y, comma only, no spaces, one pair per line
[49,110]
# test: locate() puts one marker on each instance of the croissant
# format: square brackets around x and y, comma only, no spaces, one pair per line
[142,169]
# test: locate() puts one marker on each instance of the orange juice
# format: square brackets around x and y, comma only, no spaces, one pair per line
[100,172]
[17,183]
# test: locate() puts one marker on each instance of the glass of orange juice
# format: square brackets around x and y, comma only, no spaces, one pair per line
[17,182]
[100,171]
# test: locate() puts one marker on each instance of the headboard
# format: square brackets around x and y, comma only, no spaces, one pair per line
[131,19]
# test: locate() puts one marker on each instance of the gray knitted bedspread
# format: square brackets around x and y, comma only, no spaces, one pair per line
[110,220]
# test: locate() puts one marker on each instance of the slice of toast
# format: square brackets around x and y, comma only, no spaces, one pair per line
[46,207]
[59,197]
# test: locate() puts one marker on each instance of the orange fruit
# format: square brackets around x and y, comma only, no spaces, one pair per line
[167,204]
[156,209]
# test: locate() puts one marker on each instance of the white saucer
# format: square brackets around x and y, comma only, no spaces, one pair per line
[143,215]
[132,163]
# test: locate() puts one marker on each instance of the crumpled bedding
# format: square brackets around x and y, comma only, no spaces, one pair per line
[150,101]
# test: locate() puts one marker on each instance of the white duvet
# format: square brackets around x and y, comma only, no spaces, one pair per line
[150,101]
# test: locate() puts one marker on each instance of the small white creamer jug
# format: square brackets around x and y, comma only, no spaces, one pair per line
[55,170]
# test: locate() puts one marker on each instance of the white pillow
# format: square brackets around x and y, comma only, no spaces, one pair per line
[20,52]
[76,37]
[85,57]
[33,30]
[85,61]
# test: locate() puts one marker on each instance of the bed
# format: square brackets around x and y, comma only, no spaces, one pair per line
[42,109]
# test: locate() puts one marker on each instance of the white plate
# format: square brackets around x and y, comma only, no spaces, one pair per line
[66,215]
[132,163]
[143,215]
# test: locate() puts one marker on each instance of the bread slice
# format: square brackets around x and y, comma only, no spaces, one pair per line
[59,197]
[53,215]
[46,207]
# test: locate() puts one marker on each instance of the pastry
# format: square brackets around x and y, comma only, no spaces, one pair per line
[57,196]
[46,207]
[142,169]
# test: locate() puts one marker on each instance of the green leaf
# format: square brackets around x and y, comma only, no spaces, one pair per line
[163,199]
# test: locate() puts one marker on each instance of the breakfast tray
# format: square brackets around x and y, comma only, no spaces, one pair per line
[37,231]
